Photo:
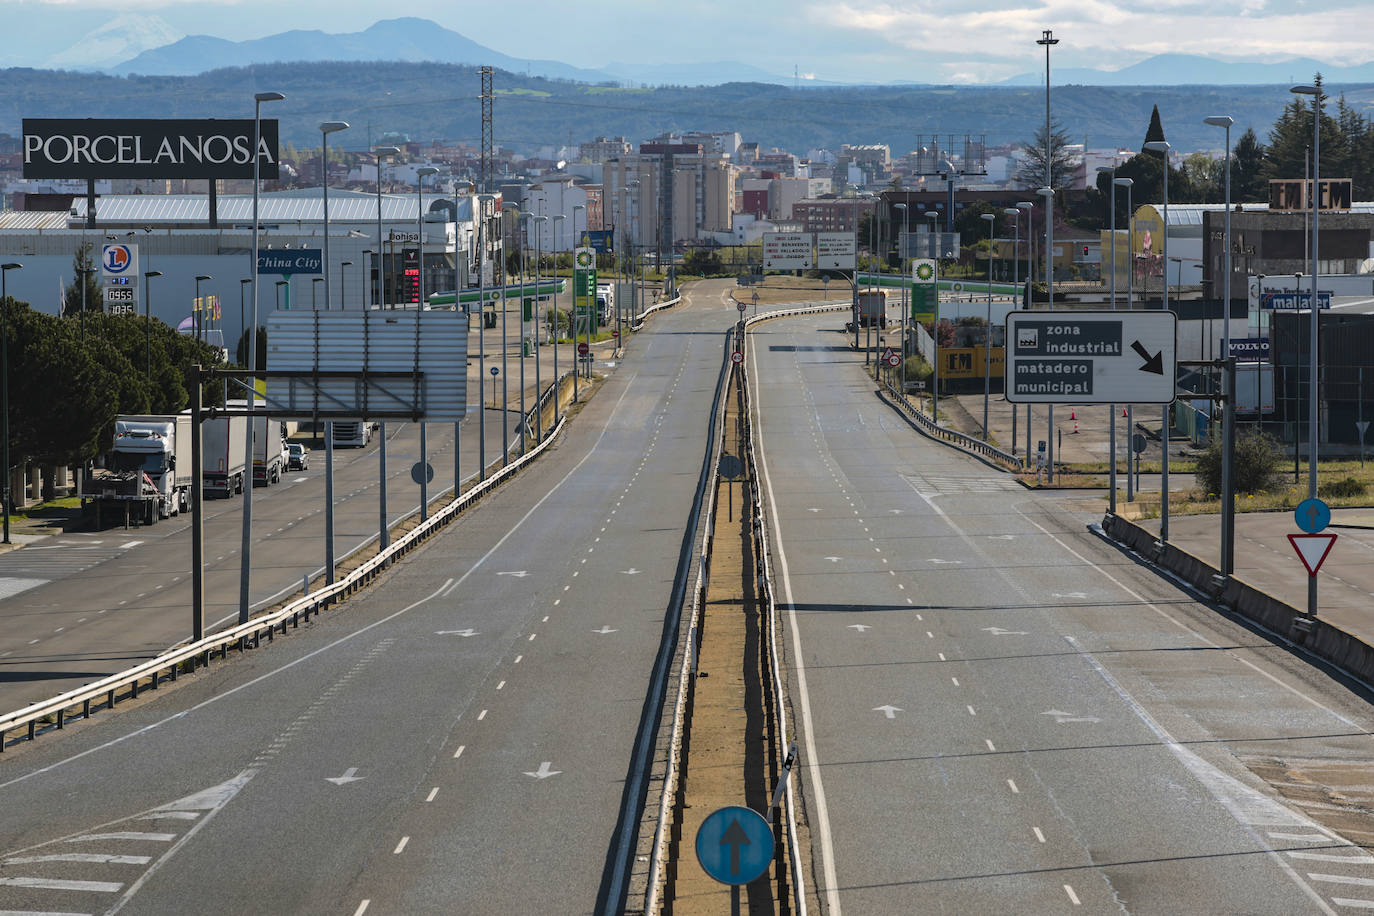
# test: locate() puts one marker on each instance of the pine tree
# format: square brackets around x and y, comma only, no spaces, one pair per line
[82,267]
[1155,132]
[1031,173]
[1290,141]
[1247,183]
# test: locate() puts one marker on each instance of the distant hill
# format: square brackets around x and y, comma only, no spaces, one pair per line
[440,100]
[407,39]
[1193,70]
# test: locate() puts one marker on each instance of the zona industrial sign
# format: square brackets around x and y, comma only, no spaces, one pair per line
[146,148]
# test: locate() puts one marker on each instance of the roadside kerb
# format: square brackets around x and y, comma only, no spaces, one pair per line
[1331,644]
[199,653]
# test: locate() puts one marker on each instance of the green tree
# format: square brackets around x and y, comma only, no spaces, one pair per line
[84,275]
[1202,180]
[1247,164]
[704,262]
[1031,173]
[1155,131]
[1256,468]
[1290,141]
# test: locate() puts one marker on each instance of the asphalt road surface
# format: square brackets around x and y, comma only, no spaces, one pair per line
[1000,712]
[457,739]
[77,607]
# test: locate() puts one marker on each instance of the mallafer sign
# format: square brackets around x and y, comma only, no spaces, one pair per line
[146,148]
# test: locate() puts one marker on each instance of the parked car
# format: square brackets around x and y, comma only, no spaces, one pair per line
[297,458]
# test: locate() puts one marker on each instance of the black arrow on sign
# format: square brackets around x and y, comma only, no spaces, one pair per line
[1154,363]
[735,837]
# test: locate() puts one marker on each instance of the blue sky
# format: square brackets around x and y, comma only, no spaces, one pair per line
[847,40]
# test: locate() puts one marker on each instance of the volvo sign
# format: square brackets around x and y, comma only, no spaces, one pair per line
[146,148]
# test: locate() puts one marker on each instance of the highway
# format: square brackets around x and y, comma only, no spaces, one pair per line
[459,738]
[79,606]
[1001,712]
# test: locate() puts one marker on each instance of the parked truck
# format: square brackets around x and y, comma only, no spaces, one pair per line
[223,441]
[147,473]
[269,450]
[871,310]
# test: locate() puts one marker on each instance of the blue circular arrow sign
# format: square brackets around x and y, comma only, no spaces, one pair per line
[734,845]
[1312,515]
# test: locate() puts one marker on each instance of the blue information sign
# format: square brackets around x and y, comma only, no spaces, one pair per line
[1312,515]
[734,845]
[291,261]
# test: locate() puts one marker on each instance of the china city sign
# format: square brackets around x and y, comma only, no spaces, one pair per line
[146,148]
[1079,357]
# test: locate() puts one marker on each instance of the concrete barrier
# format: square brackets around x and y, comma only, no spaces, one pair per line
[1342,650]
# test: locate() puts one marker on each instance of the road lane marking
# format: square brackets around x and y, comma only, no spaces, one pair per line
[970,710]
[94,857]
[1342,879]
[1310,837]
[125,835]
[1329,857]
[481,715]
[503,684]
[458,753]
[400,846]
[432,792]
[1072,896]
[991,747]
[53,884]
[1012,785]
[1038,835]
[1353,903]
[955,680]
[942,655]
[531,637]
[517,659]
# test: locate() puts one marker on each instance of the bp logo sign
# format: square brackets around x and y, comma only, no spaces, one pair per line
[924,271]
[584,259]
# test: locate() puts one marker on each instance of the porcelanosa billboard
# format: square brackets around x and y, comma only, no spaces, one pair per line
[146,148]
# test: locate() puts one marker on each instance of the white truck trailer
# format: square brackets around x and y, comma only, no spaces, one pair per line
[269,450]
[223,441]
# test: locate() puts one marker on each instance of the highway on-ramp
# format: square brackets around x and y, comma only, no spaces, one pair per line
[1001,712]
[457,739]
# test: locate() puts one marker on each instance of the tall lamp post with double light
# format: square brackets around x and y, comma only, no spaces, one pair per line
[1027,208]
[327,128]
[1047,194]
[557,382]
[934,232]
[5,388]
[1128,184]
[1110,170]
[572,311]
[901,263]
[538,377]
[1162,147]
[1015,216]
[1315,92]
[246,538]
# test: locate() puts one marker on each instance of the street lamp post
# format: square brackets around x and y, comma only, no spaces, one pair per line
[572,320]
[482,200]
[1048,194]
[327,128]
[1111,408]
[420,174]
[991,220]
[1128,184]
[5,388]
[1028,208]
[538,377]
[934,218]
[148,322]
[901,263]
[557,382]
[201,334]
[1015,215]
[520,232]
[1162,147]
[1315,92]
[246,536]
[1228,413]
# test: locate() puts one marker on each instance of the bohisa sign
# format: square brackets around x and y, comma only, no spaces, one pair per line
[146,148]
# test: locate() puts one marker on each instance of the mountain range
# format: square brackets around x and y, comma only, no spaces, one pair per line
[142,44]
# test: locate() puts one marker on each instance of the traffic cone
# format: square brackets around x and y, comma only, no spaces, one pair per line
[1075,424]
[1123,413]
[1073,415]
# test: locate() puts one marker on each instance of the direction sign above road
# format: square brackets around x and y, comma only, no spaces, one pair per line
[1076,357]
[788,250]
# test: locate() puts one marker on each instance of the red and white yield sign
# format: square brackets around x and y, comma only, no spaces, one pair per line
[1312,549]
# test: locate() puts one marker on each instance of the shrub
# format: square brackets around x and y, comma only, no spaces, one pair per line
[1256,464]
[1348,486]
[917,369]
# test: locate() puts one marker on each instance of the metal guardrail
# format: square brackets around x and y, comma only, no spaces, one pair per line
[666,304]
[960,440]
[167,665]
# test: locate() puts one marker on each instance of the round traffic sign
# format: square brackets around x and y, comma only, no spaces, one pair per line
[1312,515]
[583,349]
[422,472]
[494,371]
[734,844]
[1138,443]
[737,357]
[894,360]
[615,333]
[743,307]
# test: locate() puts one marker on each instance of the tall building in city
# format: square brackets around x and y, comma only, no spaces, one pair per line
[683,193]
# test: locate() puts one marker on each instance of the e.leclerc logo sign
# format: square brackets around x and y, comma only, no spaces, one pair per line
[146,148]
[291,261]
[117,259]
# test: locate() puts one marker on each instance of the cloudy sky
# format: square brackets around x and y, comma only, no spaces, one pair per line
[842,40]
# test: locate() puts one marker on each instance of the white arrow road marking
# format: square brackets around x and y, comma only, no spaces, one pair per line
[812,509]
[833,559]
[347,777]
[998,631]
[127,544]
[604,630]
[544,772]
[519,573]
[1001,537]
[1061,717]
[894,511]
[468,632]
[1078,595]
[629,572]
[860,627]
[938,560]
[890,711]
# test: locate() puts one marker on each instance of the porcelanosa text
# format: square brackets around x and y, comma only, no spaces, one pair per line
[127,149]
